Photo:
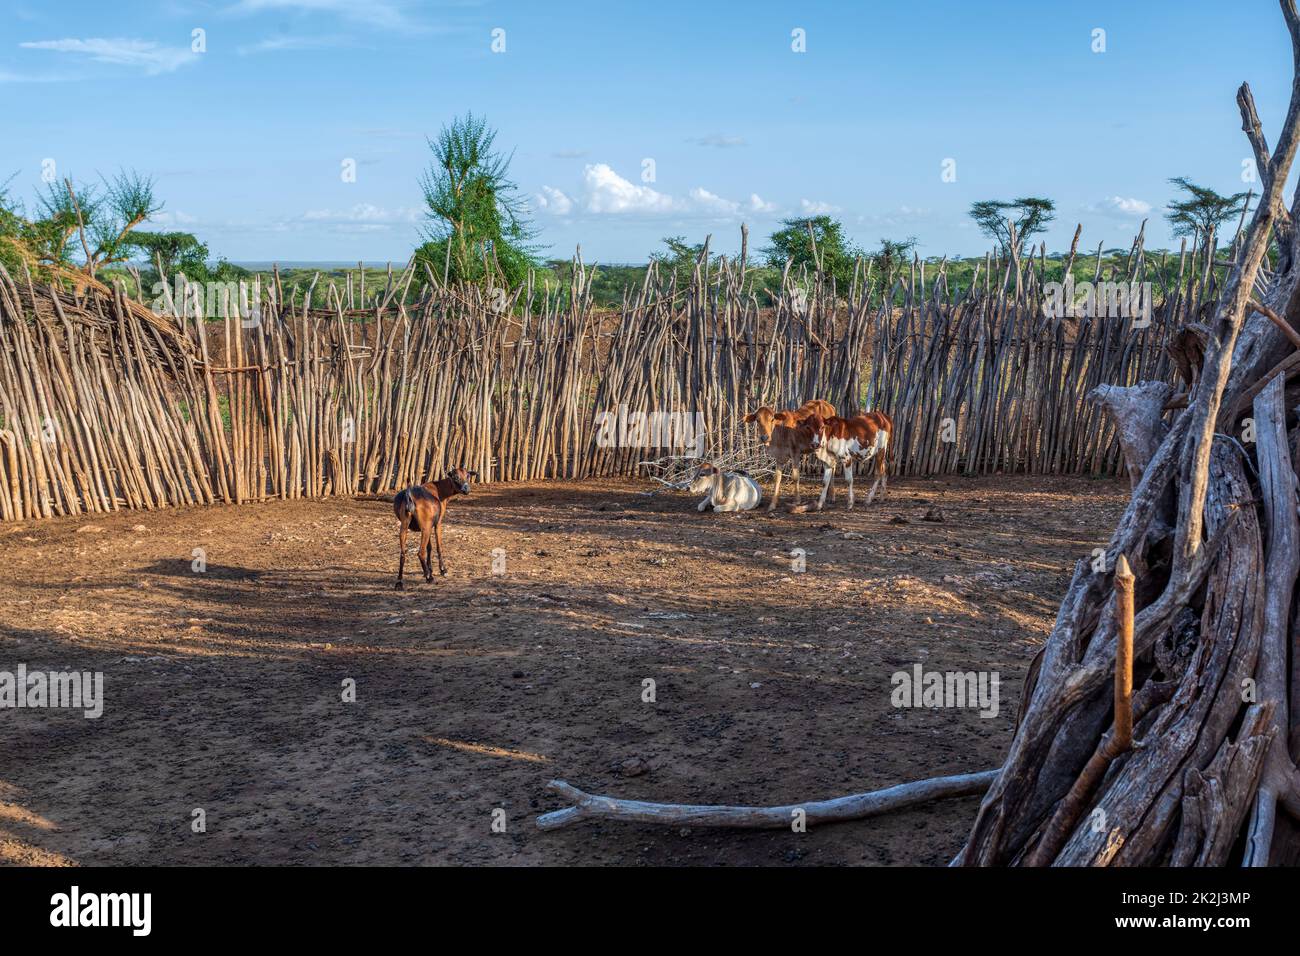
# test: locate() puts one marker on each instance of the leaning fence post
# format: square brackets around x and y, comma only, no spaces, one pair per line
[1123,655]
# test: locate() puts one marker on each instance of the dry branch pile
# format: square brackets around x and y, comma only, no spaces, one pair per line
[1211,534]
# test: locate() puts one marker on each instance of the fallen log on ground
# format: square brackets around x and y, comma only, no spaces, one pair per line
[859,806]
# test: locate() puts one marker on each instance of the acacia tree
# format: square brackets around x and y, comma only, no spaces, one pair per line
[477,220]
[93,223]
[816,242]
[1200,213]
[1030,215]
[681,258]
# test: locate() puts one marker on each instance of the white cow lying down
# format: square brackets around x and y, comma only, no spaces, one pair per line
[728,491]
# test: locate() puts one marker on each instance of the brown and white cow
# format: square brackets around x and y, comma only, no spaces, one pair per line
[847,442]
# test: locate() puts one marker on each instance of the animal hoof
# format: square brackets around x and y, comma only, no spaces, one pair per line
[442,572]
[399,586]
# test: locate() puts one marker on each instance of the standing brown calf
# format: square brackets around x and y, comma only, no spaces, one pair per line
[421,508]
[788,445]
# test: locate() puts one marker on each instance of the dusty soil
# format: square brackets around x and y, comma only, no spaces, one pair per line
[224,688]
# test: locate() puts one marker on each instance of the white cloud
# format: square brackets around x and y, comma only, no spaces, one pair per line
[605,192]
[608,192]
[279,44]
[170,217]
[1120,206]
[152,57]
[903,216]
[554,201]
[7,77]
[377,13]
[365,213]
[813,207]
[708,202]
[718,141]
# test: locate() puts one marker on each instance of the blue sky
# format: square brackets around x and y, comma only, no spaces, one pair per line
[247,140]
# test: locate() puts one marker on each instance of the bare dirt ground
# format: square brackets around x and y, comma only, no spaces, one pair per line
[224,687]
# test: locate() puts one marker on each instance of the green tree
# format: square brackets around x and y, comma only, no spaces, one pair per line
[175,250]
[795,241]
[184,253]
[1203,210]
[892,255]
[477,224]
[680,259]
[87,221]
[1030,214]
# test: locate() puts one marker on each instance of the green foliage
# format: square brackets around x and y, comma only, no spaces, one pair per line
[893,254]
[1031,214]
[680,260]
[93,221]
[1203,210]
[12,248]
[794,242]
[175,250]
[478,230]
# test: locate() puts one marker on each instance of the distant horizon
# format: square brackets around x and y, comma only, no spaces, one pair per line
[261,265]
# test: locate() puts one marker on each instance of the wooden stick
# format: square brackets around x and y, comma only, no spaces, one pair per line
[1116,742]
[856,807]
[1123,738]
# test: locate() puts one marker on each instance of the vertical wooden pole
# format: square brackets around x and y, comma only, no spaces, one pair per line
[1123,655]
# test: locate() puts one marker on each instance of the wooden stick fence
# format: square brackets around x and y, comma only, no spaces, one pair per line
[106,404]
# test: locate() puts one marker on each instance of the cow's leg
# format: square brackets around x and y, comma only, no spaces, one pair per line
[705,503]
[848,476]
[425,564]
[871,496]
[798,467]
[776,489]
[828,475]
[437,536]
[401,553]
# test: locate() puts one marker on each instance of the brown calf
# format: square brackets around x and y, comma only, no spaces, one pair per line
[421,508]
[765,418]
[787,445]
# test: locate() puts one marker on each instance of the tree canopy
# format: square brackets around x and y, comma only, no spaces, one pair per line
[1202,210]
[90,222]
[1030,215]
[891,256]
[798,239]
[680,259]
[477,222]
